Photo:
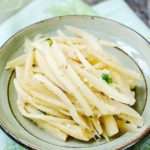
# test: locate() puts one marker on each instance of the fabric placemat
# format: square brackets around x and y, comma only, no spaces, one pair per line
[115,9]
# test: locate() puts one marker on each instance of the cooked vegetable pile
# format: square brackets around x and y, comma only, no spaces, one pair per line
[69,86]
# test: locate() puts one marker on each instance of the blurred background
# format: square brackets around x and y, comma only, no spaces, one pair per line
[141,7]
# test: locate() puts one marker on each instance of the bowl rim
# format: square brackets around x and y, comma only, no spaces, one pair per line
[29,146]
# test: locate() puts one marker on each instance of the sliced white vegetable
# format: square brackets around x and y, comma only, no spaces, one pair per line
[19,61]
[110,125]
[64,98]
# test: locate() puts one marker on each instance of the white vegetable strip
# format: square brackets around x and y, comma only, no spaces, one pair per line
[82,87]
[44,109]
[28,65]
[52,101]
[20,91]
[19,61]
[97,125]
[77,94]
[110,125]
[65,125]
[64,98]
[76,132]
[91,40]
[126,126]
[93,99]
[32,113]
[102,107]
[66,82]
[28,45]
[50,106]
[97,51]
[45,69]
[122,84]
[102,86]
[124,109]
[52,130]
[49,99]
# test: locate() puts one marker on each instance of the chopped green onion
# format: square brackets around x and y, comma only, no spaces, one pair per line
[50,42]
[107,78]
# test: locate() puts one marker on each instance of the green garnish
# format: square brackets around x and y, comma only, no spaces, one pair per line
[107,78]
[50,42]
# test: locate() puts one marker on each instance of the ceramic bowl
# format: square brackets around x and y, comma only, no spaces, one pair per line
[135,55]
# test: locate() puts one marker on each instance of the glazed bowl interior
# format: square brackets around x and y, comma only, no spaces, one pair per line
[134,56]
